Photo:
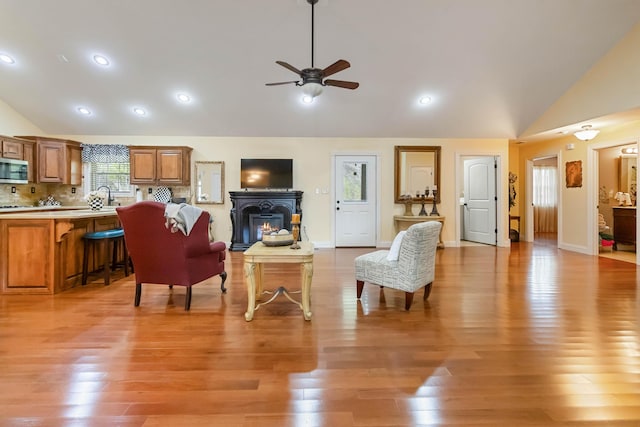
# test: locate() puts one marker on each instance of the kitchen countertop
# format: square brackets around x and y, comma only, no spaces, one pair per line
[55,212]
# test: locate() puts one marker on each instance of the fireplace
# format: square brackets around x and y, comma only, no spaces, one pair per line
[264,223]
[250,209]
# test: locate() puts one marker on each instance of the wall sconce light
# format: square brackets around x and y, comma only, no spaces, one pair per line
[630,150]
[586,133]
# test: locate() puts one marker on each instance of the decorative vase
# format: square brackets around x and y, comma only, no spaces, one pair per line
[96,204]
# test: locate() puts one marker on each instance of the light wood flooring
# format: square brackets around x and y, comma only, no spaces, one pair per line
[527,336]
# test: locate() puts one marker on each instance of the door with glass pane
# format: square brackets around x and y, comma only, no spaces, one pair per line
[355,209]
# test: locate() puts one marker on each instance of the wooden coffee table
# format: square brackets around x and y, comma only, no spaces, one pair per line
[259,254]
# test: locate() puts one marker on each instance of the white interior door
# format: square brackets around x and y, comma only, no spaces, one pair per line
[355,210]
[480,200]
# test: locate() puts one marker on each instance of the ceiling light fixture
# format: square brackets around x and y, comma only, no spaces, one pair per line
[7,59]
[84,111]
[100,60]
[586,134]
[183,97]
[425,100]
[140,111]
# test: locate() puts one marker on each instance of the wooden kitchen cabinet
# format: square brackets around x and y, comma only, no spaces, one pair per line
[20,149]
[73,165]
[28,154]
[55,263]
[11,148]
[51,162]
[160,165]
[624,225]
[58,161]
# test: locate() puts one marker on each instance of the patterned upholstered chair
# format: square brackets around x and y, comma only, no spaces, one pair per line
[162,257]
[414,267]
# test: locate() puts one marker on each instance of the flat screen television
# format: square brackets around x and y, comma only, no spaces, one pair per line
[266,173]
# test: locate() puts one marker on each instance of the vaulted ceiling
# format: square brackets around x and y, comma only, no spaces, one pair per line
[490,67]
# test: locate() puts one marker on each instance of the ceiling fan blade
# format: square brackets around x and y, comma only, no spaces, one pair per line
[339,65]
[342,83]
[289,67]
[281,83]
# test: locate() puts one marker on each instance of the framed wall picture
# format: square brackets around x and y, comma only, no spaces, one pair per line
[574,174]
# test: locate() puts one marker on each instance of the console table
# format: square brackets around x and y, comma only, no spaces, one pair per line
[250,208]
[402,222]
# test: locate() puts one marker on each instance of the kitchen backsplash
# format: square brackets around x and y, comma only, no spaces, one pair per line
[68,195]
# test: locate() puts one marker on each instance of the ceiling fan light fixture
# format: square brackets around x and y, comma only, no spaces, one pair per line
[312,89]
[306,99]
[587,133]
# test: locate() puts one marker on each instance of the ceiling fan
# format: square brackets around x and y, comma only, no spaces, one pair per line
[313,79]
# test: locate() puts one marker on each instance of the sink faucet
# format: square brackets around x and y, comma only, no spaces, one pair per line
[109,198]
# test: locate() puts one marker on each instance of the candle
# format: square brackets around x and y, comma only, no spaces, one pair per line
[295,218]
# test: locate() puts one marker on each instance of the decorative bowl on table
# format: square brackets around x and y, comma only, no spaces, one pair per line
[281,238]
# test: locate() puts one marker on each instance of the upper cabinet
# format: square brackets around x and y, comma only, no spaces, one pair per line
[58,160]
[160,165]
[11,148]
[20,149]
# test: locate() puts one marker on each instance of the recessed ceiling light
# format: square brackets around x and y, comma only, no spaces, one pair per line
[140,111]
[7,59]
[84,111]
[100,60]
[424,100]
[183,97]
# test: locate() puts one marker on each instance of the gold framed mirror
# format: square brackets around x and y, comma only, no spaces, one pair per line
[416,169]
[209,183]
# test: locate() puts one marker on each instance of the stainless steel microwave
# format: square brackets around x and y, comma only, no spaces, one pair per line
[13,171]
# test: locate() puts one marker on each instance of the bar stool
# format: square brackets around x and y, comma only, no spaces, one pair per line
[105,237]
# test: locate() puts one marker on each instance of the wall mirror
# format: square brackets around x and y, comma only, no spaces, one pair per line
[209,182]
[416,169]
[628,176]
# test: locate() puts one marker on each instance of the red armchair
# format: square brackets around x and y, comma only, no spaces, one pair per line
[162,257]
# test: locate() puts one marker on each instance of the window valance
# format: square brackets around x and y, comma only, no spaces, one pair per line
[105,153]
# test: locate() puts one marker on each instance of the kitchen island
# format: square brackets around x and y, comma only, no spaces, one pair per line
[41,249]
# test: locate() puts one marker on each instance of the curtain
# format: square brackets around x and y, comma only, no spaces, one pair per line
[105,153]
[545,199]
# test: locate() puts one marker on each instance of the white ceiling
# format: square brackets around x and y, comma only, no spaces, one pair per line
[492,67]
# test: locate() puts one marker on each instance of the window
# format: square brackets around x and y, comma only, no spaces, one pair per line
[106,165]
[113,175]
[354,182]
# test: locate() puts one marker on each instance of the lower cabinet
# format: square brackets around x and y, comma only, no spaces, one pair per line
[624,225]
[55,263]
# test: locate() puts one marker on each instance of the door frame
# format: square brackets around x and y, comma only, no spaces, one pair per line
[377,178]
[502,204]
[529,235]
[592,192]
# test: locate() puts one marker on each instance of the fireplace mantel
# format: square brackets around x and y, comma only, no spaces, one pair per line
[246,203]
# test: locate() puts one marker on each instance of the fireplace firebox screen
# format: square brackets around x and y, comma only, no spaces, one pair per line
[264,223]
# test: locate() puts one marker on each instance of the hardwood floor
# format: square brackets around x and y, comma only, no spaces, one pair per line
[527,336]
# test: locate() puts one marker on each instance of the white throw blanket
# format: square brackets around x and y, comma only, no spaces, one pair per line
[181,217]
